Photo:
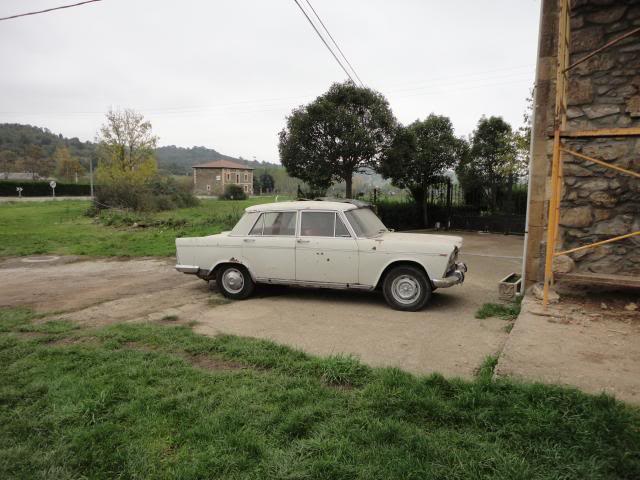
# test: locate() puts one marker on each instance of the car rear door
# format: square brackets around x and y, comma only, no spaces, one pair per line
[269,249]
[325,250]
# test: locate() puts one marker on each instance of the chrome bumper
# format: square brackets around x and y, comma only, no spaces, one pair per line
[456,277]
[187,268]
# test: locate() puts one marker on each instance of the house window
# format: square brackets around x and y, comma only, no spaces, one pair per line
[228,177]
[237,178]
[246,177]
[246,188]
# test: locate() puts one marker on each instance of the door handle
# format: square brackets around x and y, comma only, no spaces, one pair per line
[249,240]
[303,241]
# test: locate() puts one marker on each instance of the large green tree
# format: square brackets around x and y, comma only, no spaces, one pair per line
[342,132]
[493,163]
[419,156]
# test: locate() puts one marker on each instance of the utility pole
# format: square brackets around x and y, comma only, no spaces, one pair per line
[91,175]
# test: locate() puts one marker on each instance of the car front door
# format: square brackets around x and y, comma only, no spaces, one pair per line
[325,250]
[269,249]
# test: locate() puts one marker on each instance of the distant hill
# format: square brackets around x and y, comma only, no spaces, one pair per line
[15,137]
[178,160]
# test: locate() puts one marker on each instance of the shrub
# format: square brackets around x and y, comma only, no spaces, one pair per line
[234,192]
[161,193]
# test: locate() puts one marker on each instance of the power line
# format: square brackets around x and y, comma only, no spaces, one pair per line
[334,42]
[325,42]
[48,10]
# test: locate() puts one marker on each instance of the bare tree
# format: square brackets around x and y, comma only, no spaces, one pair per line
[126,145]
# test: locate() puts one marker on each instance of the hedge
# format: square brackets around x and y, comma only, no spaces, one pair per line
[42,189]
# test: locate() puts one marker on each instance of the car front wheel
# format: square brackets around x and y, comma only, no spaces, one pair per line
[406,288]
[234,282]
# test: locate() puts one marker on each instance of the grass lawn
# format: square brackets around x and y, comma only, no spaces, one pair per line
[61,227]
[158,401]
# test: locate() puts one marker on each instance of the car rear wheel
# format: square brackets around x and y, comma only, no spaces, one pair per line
[406,288]
[234,282]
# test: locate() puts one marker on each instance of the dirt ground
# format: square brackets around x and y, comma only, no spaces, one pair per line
[590,342]
[444,337]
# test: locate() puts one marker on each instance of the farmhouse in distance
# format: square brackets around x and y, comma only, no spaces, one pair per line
[211,178]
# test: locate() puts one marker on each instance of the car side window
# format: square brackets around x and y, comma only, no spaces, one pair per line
[257,228]
[322,224]
[317,224]
[279,223]
[275,224]
[341,230]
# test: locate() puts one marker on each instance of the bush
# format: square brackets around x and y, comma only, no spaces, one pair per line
[234,192]
[42,189]
[161,193]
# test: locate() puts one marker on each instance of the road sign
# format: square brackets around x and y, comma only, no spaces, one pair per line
[53,184]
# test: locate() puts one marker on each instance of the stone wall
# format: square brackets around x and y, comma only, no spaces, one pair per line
[208,176]
[604,92]
[218,178]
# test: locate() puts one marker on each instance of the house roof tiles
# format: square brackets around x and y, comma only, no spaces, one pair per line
[223,164]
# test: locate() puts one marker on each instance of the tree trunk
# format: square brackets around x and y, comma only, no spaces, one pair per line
[509,202]
[425,213]
[349,182]
[419,194]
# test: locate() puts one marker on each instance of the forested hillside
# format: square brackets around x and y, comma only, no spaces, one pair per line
[17,140]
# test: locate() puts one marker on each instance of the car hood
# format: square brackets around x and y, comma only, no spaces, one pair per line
[420,242]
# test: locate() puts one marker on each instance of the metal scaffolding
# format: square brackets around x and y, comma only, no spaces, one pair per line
[563,67]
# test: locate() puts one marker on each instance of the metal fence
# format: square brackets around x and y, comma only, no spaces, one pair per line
[449,206]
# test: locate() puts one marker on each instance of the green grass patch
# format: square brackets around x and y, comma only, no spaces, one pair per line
[485,372]
[506,311]
[158,401]
[14,318]
[49,327]
[61,227]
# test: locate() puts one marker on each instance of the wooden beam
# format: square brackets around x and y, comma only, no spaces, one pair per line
[604,47]
[597,244]
[603,132]
[600,162]
[618,281]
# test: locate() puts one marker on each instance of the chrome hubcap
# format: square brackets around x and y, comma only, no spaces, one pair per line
[233,280]
[405,289]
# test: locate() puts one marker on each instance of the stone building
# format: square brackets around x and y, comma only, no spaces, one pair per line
[603,92]
[211,178]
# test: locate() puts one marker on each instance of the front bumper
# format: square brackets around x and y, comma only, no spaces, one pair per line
[187,268]
[455,277]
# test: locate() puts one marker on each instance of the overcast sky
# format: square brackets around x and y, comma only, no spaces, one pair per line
[224,74]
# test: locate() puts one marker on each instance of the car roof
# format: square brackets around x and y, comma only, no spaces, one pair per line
[301,205]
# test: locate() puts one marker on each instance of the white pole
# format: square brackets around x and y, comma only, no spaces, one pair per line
[91,175]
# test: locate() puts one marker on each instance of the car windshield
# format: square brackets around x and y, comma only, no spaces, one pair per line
[365,223]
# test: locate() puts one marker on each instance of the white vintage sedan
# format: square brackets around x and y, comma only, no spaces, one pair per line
[326,244]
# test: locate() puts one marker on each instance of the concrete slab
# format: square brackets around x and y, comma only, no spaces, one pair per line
[577,343]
